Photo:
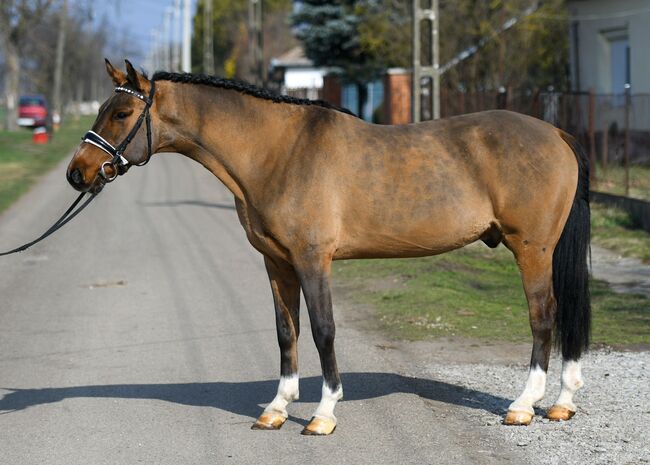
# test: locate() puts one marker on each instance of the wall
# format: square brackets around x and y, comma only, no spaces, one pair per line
[639,210]
[397,96]
[597,19]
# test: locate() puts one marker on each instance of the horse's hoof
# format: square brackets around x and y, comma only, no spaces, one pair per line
[319,426]
[269,420]
[557,413]
[518,417]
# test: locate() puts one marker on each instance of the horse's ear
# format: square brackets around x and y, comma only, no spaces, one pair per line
[118,77]
[136,79]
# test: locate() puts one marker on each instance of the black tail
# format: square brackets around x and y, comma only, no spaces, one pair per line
[570,271]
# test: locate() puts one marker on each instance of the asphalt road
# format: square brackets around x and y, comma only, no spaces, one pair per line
[143,332]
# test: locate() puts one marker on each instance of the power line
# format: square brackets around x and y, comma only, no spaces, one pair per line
[468,52]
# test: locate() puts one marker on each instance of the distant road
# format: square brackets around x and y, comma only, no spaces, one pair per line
[143,332]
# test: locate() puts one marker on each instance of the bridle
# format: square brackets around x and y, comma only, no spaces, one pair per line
[118,163]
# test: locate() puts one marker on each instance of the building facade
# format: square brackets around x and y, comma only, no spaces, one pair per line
[610,45]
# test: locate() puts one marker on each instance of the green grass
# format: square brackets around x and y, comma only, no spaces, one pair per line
[474,292]
[612,181]
[22,162]
[613,228]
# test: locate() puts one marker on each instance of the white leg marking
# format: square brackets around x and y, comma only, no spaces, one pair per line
[571,382]
[533,392]
[287,391]
[328,401]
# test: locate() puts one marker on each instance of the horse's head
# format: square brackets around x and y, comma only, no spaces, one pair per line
[118,138]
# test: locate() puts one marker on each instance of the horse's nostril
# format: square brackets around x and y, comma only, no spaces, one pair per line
[76,178]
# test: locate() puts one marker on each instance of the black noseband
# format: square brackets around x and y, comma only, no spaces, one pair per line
[118,163]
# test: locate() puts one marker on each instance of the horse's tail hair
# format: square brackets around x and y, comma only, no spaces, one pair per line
[570,269]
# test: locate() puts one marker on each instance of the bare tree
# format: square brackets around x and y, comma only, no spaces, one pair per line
[17,18]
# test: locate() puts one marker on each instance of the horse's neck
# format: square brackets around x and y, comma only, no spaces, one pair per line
[234,136]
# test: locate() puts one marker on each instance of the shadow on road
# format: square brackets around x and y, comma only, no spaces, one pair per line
[242,398]
[193,203]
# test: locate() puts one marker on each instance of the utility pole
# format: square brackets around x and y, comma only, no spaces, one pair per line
[208,47]
[187,38]
[176,41]
[155,35]
[58,67]
[256,40]
[167,38]
[153,54]
[431,70]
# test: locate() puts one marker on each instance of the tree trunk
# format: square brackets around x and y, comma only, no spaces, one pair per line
[12,78]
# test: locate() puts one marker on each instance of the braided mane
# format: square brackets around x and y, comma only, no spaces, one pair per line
[244,88]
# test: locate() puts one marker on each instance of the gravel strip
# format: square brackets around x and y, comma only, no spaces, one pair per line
[612,425]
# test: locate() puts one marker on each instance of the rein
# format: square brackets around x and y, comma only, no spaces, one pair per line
[56,226]
[118,163]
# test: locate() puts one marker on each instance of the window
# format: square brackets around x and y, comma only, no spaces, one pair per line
[619,59]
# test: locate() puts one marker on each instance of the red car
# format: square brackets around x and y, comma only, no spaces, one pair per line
[32,111]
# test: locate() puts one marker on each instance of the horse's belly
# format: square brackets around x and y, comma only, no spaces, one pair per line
[404,234]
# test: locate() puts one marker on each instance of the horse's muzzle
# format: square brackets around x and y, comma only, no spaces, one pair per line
[76,179]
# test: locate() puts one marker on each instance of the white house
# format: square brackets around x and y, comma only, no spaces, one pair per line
[610,50]
[296,72]
[610,45]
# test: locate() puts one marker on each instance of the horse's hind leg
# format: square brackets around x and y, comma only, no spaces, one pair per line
[286,297]
[535,264]
[564,408]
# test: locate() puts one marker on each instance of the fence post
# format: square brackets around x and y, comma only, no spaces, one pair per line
[536,107]
[332,89]
[626,147]
[501,98]
[605,141]
[592,136]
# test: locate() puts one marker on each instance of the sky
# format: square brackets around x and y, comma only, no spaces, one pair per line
[138,17]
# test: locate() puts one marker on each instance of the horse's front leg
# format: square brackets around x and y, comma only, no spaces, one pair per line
[286,296]
[314,274]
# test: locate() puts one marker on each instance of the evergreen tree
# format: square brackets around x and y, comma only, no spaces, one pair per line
[329,31]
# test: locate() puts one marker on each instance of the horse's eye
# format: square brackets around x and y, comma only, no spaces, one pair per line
[121,115]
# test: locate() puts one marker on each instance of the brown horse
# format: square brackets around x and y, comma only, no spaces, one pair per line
[314,184]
